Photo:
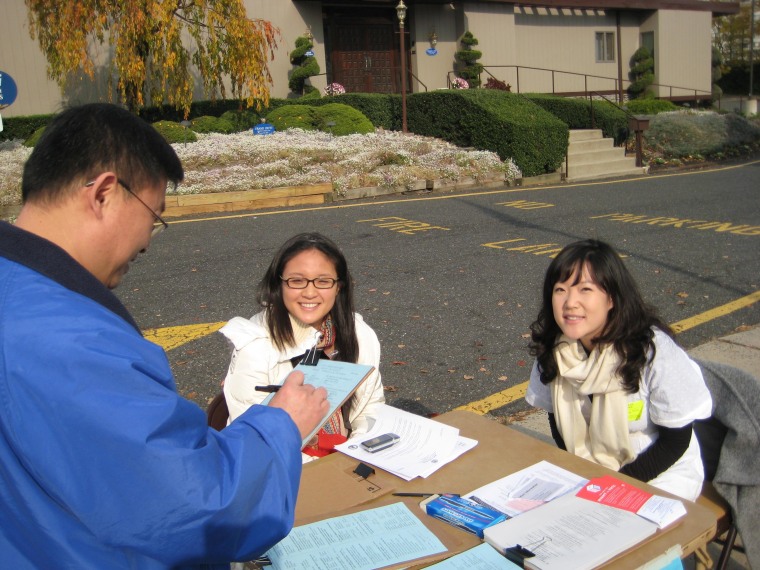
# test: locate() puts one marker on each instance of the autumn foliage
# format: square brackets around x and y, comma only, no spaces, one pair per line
[155,48]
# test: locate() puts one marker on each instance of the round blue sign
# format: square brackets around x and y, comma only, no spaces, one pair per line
[309,53]
[8,90]
[431,51]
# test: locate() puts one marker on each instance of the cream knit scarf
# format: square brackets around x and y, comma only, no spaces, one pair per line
[604,438]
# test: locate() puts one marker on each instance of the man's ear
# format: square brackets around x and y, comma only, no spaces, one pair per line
[99,192]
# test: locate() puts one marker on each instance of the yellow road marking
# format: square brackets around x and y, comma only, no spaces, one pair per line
[715,313]
[173,337]
[498,400]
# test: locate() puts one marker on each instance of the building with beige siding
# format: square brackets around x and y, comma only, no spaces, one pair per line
[549,46]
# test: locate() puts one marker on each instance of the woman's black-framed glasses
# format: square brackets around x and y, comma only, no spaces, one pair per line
[303,283]
[159,224]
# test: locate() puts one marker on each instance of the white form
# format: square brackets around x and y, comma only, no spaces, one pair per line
[424,445]
[528,488]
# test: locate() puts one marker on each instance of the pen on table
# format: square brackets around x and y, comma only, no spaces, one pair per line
[421,494]
[267,388]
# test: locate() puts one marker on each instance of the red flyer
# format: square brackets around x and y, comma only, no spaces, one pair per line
[610,491]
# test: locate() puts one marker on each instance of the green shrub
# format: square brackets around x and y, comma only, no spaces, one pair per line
[21,128]
[650,106]
[576,114]
[294,117]
[347,120]
[32,141]
[241,120]
[174,132]
[382,110]
[209,124]
[505,123]
[678,135]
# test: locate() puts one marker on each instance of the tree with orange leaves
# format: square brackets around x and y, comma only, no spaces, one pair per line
[149,44]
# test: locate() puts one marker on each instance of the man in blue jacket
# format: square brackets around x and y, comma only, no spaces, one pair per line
[102,464]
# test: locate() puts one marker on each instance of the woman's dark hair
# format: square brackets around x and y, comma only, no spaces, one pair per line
[269,295]
[629,322]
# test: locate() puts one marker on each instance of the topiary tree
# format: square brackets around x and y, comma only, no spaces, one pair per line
[467,57]
[307,66]
[641,74]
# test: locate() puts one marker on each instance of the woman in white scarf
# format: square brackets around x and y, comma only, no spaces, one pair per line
[618,389]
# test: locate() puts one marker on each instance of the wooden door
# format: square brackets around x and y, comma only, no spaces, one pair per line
[363,50]
[363,58]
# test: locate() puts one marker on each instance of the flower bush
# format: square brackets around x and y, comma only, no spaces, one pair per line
[244,161]
[460,83]
[334,89]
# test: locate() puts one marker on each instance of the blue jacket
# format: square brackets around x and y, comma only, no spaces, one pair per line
[102,463]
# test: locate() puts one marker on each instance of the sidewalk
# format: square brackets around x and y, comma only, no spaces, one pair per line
[741,350]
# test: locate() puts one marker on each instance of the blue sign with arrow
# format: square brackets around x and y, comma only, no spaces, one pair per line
[8,90]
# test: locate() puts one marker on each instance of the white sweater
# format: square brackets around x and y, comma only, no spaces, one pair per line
[257,361]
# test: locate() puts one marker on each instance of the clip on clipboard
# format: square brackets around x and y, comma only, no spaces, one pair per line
[518,554]
[312,356]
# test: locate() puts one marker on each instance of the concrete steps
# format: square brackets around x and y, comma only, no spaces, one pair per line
[590,156]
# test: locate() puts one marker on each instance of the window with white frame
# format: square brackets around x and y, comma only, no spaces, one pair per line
[605,47]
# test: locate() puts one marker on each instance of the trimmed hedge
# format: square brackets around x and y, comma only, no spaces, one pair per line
[310,117]
[348,121]
[294,117]
[241,120]
[209,124]
[576,114]
[381,109]
[174,132]
[508,124]
[23,128]
[650,106]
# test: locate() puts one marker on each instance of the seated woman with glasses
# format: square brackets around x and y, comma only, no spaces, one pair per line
[307,301]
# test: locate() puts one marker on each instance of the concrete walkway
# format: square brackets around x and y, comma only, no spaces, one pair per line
[741,350]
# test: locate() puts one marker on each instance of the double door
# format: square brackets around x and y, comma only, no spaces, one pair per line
[364,54]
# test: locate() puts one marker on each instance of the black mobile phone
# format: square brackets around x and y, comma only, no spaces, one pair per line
[380,442]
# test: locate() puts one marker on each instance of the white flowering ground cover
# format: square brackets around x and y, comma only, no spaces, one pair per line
[243,161]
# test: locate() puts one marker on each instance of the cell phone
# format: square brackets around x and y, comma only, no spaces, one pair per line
[380,442]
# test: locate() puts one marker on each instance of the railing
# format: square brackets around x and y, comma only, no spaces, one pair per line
[633,120]
[614,83]
[418,80]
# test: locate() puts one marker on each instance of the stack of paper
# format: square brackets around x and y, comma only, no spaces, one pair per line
[527,489]
[424,445]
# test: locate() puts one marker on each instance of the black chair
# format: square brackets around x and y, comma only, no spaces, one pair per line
[217,413]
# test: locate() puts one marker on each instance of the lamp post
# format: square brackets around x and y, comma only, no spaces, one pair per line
[401,13]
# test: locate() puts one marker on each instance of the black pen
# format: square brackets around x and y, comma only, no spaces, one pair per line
[268,388]
[422,494]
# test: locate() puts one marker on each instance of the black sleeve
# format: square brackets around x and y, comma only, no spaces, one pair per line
[661,455]
[555,433]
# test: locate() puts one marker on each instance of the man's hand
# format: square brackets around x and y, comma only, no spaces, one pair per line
[306,405]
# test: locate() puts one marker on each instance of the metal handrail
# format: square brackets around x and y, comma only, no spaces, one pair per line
[638,130]
[586,77]
[418,80]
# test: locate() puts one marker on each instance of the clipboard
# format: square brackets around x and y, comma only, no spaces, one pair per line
[340,379]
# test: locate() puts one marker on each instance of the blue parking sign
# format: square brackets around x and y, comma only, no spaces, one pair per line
[8,90]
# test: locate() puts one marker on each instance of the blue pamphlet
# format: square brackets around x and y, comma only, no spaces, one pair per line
[340,379]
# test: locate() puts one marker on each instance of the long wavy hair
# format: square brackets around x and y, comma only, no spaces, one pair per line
[629,322]
[269,295]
